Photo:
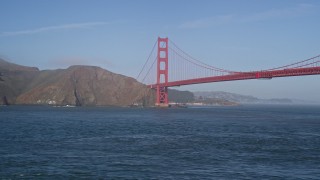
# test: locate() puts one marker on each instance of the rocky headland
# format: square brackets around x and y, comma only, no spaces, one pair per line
[76,86]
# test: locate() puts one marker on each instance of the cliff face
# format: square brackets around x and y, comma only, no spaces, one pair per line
[77,85]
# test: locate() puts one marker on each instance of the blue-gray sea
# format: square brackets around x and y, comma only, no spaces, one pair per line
[241,142]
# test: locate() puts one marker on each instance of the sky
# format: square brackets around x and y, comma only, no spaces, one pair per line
[118,35]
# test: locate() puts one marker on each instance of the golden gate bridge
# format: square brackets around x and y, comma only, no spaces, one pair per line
[169,66]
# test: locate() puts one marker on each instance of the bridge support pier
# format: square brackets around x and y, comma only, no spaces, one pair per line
[162,73]
[162,97]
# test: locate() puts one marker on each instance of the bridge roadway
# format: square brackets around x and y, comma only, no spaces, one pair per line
[244,76]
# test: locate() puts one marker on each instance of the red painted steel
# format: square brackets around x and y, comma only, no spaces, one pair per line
[162,72]
[188,75]
[246,76]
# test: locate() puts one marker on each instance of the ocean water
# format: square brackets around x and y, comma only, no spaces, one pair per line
[243,142]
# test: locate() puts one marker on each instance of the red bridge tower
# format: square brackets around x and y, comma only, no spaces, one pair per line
[162,72]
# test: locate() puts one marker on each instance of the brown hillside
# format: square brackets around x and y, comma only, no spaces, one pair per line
[77,85]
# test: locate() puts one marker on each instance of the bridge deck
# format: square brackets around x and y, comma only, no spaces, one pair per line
[245,76]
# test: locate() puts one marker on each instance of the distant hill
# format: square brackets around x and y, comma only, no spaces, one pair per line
[227,96]
[189,97]
[180,96]
[243,99]
[76,85]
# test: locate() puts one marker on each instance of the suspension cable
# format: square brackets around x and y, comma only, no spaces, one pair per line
[293,63]
[211,67]
[147,59]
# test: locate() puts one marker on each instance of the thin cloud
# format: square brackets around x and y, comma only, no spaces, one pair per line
[206,22]
[298,10]
[54,28]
